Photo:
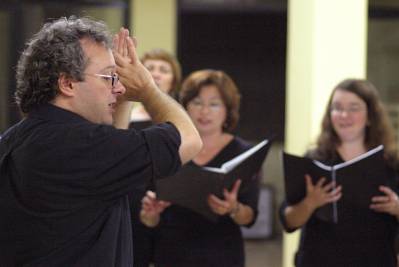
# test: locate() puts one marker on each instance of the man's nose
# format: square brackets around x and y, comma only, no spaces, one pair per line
[119,89]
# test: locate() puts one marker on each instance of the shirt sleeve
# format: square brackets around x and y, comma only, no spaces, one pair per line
[250,189]
[70,168]
[163,141]
[250,196]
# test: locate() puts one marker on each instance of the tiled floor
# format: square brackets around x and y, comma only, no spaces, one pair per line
[263,253]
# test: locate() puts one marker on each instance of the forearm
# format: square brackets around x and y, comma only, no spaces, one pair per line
[163,108]
[298,214]
[122,114]
[242,214]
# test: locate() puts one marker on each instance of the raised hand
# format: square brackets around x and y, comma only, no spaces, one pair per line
[226,206]
[319,194]
[133,75]
[389,203]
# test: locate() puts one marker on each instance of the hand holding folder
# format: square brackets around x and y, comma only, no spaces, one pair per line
[360,179]
[191,186]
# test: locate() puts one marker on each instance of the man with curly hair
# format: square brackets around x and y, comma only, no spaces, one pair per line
[65,171]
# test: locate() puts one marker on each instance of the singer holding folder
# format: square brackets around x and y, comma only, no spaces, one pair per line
[354,123]
[186,238]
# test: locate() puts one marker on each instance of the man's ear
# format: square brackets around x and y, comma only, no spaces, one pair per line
[66,85]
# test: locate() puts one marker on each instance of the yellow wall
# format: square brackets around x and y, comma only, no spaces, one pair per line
[154,24]
[113,17]
[326,43]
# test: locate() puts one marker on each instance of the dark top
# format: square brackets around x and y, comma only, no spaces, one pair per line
[185,238]
[363,240]
[64,184]
[140,125]
[143,236]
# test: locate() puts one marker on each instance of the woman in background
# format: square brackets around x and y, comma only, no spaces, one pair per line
[185,238]
[354,122]
[165,69]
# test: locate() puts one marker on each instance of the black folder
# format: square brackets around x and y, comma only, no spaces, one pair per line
[359,177]
[191,186]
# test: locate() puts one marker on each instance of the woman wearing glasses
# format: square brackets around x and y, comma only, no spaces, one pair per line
[354,122]
[185,238]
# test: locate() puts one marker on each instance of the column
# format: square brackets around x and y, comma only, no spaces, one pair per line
[327,42]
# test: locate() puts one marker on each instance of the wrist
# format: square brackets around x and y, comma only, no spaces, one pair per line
[149,94]
[236,209]
[309,204]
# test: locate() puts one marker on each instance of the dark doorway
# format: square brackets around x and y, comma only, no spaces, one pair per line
[251,47]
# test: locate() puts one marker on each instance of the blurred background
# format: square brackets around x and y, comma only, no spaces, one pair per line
[250,40]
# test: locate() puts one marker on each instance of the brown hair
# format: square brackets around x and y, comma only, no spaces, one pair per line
[378,131]
[193,84]
[160,54]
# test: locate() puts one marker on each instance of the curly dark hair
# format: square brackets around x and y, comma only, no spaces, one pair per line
[193,84]
[55,50]
[378,131]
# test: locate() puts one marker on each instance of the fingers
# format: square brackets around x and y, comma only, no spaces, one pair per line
[134,39]
[380,199]
[219,206]
[131,50]
[388,191]
[334,195]
[115,42]
[386,207]
[236,187]
[125,52]
[232,195]
[121,62]
[214,200]
[120,41]
[120,50]
[329,186]
[309,183]
[321,182]
[151,194]
[390,196]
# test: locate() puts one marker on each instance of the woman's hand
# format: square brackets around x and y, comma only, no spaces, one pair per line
[229,204]
[151,209]
[389,203]
[319,194]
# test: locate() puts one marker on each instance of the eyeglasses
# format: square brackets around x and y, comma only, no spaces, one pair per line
[213,106]
[349,110]
[114,78]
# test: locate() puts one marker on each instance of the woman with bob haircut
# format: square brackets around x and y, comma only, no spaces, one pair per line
[185,238]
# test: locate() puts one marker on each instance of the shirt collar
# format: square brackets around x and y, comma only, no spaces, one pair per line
[55,113]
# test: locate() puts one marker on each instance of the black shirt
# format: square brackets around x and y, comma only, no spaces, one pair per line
[362,239]
[187,239]
[63,188]
[143,236]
